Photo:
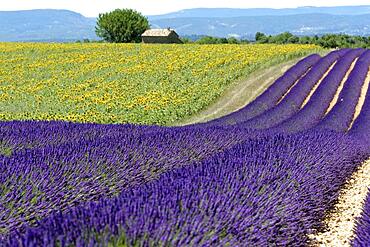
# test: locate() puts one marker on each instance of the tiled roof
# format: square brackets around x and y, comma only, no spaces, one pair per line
[157,32]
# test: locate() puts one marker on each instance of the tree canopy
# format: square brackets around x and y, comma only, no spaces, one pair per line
[121,26]
[326,41]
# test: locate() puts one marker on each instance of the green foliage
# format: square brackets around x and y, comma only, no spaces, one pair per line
[244,41]
[214,40]
[210,40]
[282,38]
[232,40]
[326,41]
[186,40]
[6,151]
[293,40]
[261,37]
[121,26]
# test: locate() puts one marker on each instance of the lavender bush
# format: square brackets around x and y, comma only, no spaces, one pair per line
[315,109]
[270,190]
[271,95]
[292,102]
[361,127]
[341,116]
[213,184]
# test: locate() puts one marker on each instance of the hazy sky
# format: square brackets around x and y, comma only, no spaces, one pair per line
[149,7]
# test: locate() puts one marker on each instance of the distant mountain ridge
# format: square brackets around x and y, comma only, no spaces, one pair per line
[64,25]
[246,27]
[45,24]
[231,12]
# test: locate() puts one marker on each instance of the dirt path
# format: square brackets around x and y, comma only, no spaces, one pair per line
[240,93]
[318,84]
[340,88]
[362,98]
[341,221]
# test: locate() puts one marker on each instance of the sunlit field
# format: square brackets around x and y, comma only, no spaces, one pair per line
[124,83]
[267,173]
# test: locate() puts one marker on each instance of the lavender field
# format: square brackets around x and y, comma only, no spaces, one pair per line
[265,175]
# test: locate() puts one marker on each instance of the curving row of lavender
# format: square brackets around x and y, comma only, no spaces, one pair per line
[222,183]
[341,116]
[360,131]
[293,101]
[218,201]
[312,113]
[361,127]
[272,95]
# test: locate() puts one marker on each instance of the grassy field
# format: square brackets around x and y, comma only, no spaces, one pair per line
[124,83]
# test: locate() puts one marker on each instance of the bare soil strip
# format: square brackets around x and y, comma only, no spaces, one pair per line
[292,86]
[362,98]
[318,84]
[240,93]
[341,221]
[340,88]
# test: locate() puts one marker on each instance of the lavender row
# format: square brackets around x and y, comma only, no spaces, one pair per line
[292,102]
[50,168]
[341,116]
[362,232]
[272,95]
[36,179]
[317,106]
[272,190]
[20,135]
[361,127]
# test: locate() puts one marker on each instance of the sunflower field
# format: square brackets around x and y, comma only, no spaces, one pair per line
[124,83]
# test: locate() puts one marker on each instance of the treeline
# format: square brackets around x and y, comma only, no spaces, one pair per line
[215,40]
[326,41]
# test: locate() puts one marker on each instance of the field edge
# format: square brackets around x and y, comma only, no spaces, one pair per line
[228,102]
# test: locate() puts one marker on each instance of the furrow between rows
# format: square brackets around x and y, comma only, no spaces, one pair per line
[292,86]
[341,116]
[361,100]
[271,96]
[291,104]
[340,88]
[321,98]
[313,90]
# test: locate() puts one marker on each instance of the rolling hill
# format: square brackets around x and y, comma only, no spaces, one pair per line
[246,27]
[45,25]
[229,12]
[64,25]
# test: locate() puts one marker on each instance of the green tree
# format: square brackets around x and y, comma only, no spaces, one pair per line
[293,39]
[186,40]
[326,41]
[222,41]
[305,40]
[208,40]
[233,40]
[121,26]
[244,41]
[282,38]
[260,36]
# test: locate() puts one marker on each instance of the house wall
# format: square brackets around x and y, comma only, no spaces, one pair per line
[162,40]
